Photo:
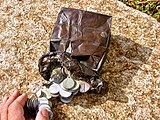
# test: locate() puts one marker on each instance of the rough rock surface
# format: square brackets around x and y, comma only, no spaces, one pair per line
[132,69]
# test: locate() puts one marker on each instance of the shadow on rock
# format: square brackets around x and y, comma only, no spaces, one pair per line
[124,58]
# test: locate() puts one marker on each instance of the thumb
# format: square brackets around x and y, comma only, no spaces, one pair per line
[42,115]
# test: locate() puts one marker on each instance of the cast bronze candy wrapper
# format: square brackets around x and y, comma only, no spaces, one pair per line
[78,44]
[78,48]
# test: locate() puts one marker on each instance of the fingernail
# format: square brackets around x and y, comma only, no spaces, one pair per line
[24,94]
[15,92]
[5,98]
[44,113]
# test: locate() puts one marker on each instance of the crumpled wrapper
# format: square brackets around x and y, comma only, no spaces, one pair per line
[78,43]
[85,35]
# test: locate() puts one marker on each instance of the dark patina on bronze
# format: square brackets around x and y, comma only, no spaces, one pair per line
[78,44]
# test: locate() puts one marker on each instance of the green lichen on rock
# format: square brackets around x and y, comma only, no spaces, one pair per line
[146,6]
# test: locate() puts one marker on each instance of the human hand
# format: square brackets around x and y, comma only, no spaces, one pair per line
[11,108]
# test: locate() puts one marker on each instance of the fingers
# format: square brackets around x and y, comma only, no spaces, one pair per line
[22,99]
[42,115]
[12,98]
[12,107]
[4,114]
[2,104]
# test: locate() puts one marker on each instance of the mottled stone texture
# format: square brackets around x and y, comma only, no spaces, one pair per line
[132,70]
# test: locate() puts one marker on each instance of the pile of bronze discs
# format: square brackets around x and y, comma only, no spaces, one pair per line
[37,104]
[68,88]
[65,90]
